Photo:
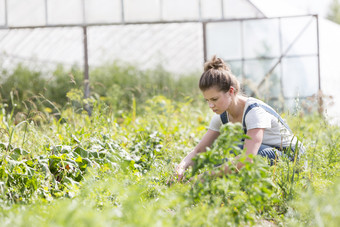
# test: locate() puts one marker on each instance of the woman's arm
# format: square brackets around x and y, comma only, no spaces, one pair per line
[251,146]
[207,140]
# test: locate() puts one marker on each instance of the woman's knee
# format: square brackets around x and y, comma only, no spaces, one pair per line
[270,153]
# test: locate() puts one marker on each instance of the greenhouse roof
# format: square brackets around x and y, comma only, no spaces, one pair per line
[57,35]
[16,13]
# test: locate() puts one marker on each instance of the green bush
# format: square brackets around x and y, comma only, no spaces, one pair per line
[116,84]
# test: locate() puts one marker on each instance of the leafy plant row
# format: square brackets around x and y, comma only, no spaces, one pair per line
[24,177]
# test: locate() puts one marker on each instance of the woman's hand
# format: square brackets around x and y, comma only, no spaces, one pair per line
[178,175]
[207,140]
[180,169]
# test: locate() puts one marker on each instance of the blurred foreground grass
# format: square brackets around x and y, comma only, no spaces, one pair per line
[61,167]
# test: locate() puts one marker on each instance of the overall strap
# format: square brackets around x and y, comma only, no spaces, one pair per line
[266,108]
[224,117]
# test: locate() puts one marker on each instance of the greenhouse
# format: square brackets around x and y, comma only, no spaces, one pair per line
[281,61]
[106,118]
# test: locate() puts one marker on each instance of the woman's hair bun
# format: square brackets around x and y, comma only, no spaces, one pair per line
[218,74]
[215,63]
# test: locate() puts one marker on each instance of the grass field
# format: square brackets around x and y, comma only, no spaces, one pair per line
[105,171]
[61,167]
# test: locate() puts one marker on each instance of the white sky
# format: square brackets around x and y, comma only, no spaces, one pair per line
[273,8]
[312,6]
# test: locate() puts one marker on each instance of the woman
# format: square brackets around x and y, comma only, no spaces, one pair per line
[269,135]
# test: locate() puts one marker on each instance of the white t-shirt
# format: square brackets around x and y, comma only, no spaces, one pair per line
[275,133]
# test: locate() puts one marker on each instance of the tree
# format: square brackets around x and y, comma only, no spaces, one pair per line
[334,11]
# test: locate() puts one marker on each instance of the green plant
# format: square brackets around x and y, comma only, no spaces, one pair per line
[243,196]
[111,168]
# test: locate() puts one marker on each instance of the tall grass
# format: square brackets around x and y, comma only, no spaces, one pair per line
[113,169]
[116,84]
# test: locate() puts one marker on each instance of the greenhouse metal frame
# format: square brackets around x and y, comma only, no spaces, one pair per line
[204,22]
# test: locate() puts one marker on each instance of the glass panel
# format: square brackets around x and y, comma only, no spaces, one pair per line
[224,40]
[176,47]
[16,42]
[146,10]
[300,76]
[297,104]
[261,38]
[180,10]
[28,12]
[239,9]
[211,9]
[255,71]
[292,104]
[236,69]
[307,42]
[2,12]
[105,11]
[45,45]
[65,11]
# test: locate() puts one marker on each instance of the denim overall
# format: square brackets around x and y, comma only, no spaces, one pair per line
[270,152]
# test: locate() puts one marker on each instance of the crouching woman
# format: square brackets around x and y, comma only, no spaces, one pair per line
[269,135]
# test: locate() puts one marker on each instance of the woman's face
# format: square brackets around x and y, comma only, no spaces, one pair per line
[218,101]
